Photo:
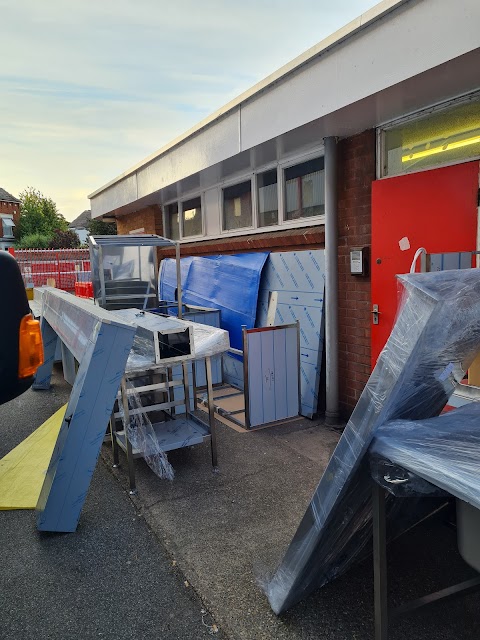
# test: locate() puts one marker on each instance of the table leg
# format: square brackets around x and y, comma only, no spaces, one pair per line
[380,563]
[211,412]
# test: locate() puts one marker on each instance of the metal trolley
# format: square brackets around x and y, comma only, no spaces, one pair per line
[165,385]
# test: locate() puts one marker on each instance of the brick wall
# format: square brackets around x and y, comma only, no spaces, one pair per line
[288,240]
[356,172]
[149,219]
[10,208]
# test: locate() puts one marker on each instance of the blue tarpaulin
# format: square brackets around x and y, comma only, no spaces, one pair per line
[229,283]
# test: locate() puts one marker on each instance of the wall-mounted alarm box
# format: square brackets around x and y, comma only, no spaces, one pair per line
[359,258]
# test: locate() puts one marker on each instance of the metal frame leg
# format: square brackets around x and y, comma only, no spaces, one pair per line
[211,413]
[380,563]
[113,436]
[194,385]
[171,391]
[186,389]
[128,445]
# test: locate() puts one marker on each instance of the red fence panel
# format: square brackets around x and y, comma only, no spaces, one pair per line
[61,267]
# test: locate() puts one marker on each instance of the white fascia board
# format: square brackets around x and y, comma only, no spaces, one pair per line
[370,16]
[389,44]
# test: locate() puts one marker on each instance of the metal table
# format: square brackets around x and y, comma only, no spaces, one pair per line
[383,614]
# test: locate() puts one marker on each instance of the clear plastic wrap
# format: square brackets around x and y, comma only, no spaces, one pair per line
[142,436]
[443,451]
[434,340]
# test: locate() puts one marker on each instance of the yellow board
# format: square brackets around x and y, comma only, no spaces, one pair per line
[22,471]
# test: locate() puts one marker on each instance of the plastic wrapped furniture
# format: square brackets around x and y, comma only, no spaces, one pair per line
[434,340]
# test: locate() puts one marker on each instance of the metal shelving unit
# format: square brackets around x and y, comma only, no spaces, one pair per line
[160,398]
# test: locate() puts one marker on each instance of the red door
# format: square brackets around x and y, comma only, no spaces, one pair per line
[434,209]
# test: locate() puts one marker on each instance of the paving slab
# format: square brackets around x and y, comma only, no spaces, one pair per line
[228,532]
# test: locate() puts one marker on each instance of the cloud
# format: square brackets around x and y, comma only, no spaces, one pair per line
[89,87]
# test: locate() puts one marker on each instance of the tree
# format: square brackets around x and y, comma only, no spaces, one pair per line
[38,214]
[100,228]
[34,241]
[64,240]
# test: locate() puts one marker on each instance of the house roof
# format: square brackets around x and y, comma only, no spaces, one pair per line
[81,221]
[7,197]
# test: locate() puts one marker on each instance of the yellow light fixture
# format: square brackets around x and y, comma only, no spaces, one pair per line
[446,147]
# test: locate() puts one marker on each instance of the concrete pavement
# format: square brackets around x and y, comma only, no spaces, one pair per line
[110,579]
[123,573]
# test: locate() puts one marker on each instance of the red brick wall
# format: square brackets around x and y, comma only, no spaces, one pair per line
[149,219]
[356,171]
[288,240]
[11,208]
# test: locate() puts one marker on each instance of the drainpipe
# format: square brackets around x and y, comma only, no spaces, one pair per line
[332,413]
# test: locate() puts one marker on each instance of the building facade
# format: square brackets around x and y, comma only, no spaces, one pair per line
[9,218]
[368,144]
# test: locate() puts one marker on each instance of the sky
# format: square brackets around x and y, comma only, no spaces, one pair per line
[89,88]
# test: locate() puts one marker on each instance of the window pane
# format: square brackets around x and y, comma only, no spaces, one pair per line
[173,221]
[237,206]
[439,138]
[305,190]
[192,217]
[7,227]
[267,198]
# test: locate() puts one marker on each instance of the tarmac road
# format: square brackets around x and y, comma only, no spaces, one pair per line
[115,578]
[110,579]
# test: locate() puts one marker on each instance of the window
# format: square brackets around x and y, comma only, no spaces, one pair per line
[7,227]
[305,190]
[267,198]
[441,137]
[192,217]
[237,206]
[172,219]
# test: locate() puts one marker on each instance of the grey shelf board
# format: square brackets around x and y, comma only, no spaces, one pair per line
[173,434]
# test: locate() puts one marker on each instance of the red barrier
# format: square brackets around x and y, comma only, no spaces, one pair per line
[84,289]
[61,267]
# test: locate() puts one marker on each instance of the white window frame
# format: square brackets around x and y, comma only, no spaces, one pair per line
[231,183]
[286,165]
[179,202]
[7,217]
[412,117]
[181,218]
[270,167]
[280,166]
[166,220]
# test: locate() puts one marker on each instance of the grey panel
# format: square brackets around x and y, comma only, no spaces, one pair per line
[272,364]
[281,372]
[255,379]
[447,261]
[292,371]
